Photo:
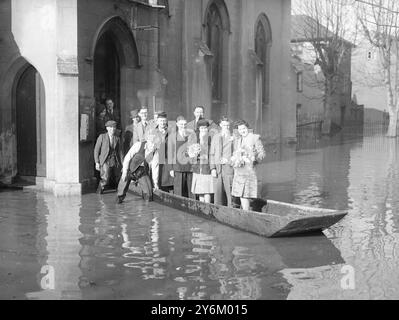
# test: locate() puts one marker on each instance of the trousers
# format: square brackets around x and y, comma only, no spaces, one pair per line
[109,175]
[222,187]
[182,184]
[144,182]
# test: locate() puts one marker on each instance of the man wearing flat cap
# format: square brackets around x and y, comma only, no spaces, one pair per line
[108,155]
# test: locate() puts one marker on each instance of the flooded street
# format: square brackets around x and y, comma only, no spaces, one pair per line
[89,247]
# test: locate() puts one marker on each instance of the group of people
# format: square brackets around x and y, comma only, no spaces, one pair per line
[199,159]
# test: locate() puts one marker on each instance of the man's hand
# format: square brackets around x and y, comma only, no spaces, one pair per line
[97,166]
[214,173]
[172,173]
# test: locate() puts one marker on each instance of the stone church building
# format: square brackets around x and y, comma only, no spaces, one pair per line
[59,58]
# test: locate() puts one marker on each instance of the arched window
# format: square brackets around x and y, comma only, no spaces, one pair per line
[217,29]
[214,43]
[263,41]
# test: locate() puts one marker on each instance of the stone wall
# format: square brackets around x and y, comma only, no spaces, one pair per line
[9,51]
[43,34]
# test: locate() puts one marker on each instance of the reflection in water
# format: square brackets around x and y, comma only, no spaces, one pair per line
[98,249]
[140,251]
[367,237]
[22,244]
[148,259]
[61,267]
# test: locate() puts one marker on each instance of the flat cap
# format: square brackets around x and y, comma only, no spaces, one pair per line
[110,123]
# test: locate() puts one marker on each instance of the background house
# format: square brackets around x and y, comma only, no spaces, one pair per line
[368,85]
[309,80]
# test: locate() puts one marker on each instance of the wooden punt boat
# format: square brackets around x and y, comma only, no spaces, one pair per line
[274,219]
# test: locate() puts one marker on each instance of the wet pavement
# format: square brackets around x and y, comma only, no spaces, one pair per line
[89,247]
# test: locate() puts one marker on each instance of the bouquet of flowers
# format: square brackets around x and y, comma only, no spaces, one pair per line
[241,157]
[194,150]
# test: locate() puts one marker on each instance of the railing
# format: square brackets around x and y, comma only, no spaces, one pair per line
[318,122]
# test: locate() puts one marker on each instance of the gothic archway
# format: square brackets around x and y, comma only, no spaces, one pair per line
[29,114]
[115,57]
[263,42]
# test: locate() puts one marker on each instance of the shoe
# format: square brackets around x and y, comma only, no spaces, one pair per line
[120,199]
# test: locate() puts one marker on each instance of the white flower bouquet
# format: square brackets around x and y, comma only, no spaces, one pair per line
[194,150]
[241,157]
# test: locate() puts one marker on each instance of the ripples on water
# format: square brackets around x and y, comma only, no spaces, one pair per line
[97,249]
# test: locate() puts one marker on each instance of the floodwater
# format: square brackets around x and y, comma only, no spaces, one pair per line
[89,247]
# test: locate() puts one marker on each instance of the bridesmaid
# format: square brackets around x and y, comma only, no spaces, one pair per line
[245,182]
[202,184]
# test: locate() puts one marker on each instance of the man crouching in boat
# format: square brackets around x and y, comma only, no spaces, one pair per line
[136,168]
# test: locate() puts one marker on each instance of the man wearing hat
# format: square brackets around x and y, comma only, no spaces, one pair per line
[108,155]
[128,135]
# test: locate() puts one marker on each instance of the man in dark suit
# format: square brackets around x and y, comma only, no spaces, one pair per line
[161,166]
[181,166]
[112,114]
[154,121]
[199,112]
[108,155]
[142,128]
[220,155]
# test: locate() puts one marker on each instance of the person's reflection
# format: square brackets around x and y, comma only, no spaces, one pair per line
[147,258]
[61,267]
[23,249]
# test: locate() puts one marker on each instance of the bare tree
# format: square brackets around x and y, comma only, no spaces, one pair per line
[328,26]
[380,22]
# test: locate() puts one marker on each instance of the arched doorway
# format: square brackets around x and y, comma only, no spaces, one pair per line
[29,97]
[115,57]
[107,70]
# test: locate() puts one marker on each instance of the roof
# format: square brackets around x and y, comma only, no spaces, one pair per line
[305,28]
